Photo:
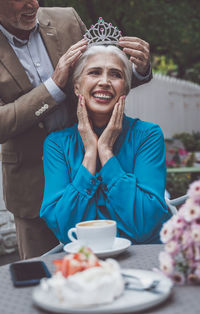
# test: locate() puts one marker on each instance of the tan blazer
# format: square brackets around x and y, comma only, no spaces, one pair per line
[21,129]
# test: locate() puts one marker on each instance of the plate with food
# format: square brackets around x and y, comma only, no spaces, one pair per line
[82,283]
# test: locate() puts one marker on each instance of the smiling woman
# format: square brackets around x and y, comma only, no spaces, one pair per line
[108,166]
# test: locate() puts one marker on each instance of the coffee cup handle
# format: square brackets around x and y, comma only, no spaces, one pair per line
[70,232]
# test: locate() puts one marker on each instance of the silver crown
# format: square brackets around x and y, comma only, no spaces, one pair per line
[102,33]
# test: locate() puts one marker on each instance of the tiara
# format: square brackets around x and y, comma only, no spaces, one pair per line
[102,33]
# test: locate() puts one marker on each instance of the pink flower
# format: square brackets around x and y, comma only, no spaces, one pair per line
[189,253]
[190,210]
[192,278]
[195,232]
[186,238]
[178,278]
[197,253]
[182,152]
[166,233]
[171,163]
[166,263]
[172,247]
[194,191]
[181,234]
[179,221]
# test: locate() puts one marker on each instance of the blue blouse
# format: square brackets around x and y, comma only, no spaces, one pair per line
[129,188]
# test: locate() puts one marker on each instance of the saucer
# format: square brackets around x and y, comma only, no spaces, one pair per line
[119,246]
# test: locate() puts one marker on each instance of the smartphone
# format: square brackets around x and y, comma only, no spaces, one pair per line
[28,273]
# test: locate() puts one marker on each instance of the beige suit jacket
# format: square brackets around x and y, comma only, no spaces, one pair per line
[21,129]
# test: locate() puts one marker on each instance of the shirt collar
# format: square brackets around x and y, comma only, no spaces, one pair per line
[15,40]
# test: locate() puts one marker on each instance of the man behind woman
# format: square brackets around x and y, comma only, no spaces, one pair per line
[108,166]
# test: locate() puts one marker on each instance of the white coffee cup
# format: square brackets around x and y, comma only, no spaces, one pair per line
[98,235]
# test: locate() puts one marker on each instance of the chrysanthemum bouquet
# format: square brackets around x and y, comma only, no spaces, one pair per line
[181,235]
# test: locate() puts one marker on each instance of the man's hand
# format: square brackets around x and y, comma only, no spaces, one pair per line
[61,73]
[139,52]
[111,132]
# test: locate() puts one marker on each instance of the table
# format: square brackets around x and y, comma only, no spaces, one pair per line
[184,299]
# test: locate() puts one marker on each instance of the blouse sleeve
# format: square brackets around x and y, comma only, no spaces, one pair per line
[136,200]
[66,201]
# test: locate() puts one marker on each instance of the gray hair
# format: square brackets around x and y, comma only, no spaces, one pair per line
[92,50]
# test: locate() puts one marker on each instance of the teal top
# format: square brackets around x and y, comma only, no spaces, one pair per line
[129,188]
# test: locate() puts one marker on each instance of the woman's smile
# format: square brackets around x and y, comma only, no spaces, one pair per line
[102,96]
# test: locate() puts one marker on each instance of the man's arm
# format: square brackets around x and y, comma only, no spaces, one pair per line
[20,112]
[24,112]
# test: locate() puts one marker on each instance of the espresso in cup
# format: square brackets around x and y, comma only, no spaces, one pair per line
[99,235]
[96,223]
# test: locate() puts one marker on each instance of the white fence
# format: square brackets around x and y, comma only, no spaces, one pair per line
[172,103]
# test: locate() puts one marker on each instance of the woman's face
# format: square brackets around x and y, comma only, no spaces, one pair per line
[102,82]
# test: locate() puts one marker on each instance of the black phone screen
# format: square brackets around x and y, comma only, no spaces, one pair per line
[28,273]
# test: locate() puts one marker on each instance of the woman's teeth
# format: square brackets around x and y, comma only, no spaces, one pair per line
[102,96]
[29,14]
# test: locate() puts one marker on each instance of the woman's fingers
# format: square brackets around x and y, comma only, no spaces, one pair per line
[118,112]
[82,115]
[121,109]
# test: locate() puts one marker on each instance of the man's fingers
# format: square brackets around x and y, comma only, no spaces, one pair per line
[79,44]
[74,57]
[135,53]
[134,46]
[123,41]
[70,53]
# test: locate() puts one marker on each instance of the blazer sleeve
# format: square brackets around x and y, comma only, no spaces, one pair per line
[136,200]
[136,82]
[24,112]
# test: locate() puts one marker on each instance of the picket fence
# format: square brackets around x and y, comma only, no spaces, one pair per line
[172,103]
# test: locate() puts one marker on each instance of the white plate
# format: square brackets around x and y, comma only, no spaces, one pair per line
[119,246]
[130,301]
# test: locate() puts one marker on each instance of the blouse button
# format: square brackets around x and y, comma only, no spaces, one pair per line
[88,191]
[93,181]
[105,188]
[99,178]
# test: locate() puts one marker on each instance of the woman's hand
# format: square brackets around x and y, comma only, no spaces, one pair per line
[111,132]
[89,138]
[61,73]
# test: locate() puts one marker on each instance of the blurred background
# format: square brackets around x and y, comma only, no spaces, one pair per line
[171,99]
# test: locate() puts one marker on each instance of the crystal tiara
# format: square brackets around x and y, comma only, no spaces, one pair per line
[102,33]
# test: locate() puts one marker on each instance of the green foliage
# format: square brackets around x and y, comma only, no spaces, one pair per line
[164,65]
[177,184]
[191,141]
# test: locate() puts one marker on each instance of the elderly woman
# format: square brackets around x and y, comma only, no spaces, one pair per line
[108,166]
